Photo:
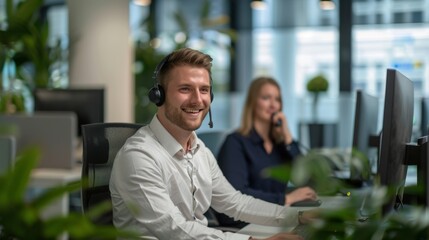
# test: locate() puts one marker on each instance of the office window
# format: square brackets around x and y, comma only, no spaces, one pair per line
[399,17]
[325,21]
[379,18]
[417,16]
[402,48]
[360,19]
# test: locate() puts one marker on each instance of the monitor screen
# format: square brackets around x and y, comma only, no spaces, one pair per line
[88,104]
[396,133]
[365,127]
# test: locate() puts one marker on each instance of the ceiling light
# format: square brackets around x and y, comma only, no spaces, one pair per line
[142,2]
[327,4]
[258,4]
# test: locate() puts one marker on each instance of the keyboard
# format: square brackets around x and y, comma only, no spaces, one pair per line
[307,203]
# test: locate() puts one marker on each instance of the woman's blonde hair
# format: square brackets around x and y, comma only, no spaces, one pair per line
[247,118]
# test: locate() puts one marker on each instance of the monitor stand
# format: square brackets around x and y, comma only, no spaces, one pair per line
[416,154]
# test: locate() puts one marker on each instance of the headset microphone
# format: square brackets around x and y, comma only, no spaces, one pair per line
[210,118]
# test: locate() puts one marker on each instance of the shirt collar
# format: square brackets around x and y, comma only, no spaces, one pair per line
[167,140]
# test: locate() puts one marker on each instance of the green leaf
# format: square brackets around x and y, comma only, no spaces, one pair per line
[280,173]
[20,175]
[205,10]
[181,21]
[24,13]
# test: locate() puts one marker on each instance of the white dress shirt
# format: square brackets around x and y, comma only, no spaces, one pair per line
[161,192]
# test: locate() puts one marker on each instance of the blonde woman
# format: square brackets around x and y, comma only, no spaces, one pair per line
[263,140]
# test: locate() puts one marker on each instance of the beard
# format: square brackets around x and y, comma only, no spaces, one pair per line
[177,117]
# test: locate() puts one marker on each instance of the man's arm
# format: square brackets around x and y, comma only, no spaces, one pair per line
[227,200]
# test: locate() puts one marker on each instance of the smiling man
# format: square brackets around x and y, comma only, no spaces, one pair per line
[164,178]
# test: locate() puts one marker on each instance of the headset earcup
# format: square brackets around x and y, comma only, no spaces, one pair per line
[157,95]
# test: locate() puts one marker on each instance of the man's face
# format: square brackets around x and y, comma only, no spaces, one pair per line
[187,99]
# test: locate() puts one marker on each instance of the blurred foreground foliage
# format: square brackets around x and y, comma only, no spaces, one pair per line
[361,217]
[22,219]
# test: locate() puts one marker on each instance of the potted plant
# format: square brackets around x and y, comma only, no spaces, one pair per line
[24,40]
[317,130]
[19,17]
[317,85]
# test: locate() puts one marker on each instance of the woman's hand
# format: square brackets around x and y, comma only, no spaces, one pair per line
[280,133]
[300,194]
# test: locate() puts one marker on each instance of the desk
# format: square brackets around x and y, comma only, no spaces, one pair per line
[42,178]
[260,231]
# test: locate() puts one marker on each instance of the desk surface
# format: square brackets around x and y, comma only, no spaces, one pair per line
[261,231]
[48,177]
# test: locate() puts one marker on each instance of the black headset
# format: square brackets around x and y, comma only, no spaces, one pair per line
[157,94]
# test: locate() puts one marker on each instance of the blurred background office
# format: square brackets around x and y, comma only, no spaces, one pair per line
[117,44]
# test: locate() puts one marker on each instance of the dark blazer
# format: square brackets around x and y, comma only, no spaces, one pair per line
[243,158]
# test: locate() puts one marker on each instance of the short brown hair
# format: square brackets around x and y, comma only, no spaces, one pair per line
[182,57]
[249,105]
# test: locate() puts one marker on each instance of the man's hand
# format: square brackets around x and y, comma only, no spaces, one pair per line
[307,216]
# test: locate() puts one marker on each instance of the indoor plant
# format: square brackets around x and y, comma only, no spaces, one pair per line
[19,18]
[317,85]
[24,42]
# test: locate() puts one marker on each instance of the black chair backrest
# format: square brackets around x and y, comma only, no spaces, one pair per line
[213,140]
[101,142]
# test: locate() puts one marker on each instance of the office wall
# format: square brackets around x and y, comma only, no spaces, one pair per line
[101,53]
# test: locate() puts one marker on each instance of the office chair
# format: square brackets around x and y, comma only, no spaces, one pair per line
[213,140]
[101,142]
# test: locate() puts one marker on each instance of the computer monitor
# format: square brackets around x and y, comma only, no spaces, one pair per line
[396,133]
[424,119]
[53,133]
[365,130]
[88,104]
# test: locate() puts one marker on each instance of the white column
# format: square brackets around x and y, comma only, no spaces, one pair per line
[101,53]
